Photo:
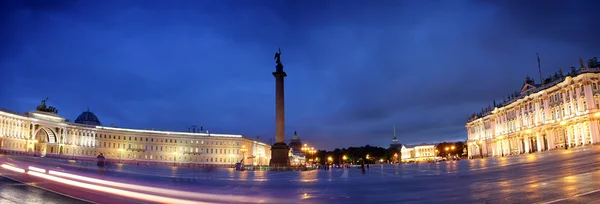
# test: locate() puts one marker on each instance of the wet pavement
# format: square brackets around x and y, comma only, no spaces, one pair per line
[558,176]
[15,192]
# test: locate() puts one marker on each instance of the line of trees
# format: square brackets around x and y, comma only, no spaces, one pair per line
[355,155]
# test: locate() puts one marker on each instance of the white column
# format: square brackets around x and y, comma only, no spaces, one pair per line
[576,134]
[565,110]
[583,133]
[539,142]
[526,143]
[594,131]
[537,112]
[589,96]
[569,134]
[547,113]
[578,100]
[551,135]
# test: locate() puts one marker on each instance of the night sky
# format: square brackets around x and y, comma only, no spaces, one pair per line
[355,68]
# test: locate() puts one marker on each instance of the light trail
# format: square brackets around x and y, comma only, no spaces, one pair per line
[124,193]
[195,195]
[12,168]
[32,168]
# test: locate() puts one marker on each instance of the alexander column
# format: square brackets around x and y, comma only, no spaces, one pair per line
[279,150]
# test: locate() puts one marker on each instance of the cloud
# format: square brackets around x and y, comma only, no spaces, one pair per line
[354,69]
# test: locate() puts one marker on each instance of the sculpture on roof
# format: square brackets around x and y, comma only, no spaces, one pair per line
[560,72]
[43,108]
[529,80]
[593,63]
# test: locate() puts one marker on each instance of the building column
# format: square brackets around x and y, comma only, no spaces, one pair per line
[538,141]
[594,131]
[550,135]
[582,133]
[578,102]
[526,141]
[589,96]
[519,144]
[577,134]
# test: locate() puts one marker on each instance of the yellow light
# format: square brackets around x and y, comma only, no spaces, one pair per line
[480,142]
[447,148]
[329,158]
[344,157]
[452,147]
[563,123]
[528,131]
[305,145]
[597,114]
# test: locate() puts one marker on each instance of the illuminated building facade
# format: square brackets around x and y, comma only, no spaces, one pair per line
[422,152]
[44,133]
[562,112]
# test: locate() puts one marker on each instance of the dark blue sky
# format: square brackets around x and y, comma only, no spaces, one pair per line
[355,68]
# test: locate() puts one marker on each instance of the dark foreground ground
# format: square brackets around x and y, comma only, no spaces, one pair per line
[16,192]
[559,176]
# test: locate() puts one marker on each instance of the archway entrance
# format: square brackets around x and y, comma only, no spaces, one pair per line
[46,142]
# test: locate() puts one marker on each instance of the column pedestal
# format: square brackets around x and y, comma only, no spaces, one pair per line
[280,155]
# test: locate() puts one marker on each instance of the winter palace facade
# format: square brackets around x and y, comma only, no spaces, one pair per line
[563,112]
[45,133]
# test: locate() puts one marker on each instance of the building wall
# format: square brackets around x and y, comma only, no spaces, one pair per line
[566,113]
[46,136]
[418,153]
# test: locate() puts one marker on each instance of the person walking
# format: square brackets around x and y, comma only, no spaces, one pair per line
[101,164]
[362,168]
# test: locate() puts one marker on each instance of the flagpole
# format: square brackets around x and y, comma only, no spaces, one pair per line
[539,68]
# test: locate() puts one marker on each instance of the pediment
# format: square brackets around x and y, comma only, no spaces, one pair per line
[527,88]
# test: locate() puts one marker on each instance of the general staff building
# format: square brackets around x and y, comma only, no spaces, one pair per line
[44,133]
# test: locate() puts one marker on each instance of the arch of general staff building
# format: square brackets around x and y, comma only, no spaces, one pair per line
[558,115]
[45,134]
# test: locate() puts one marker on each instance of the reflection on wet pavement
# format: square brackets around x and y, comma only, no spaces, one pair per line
[15,192]
[532,178]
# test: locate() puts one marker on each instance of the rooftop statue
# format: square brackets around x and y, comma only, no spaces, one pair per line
[593,63]
[43,108]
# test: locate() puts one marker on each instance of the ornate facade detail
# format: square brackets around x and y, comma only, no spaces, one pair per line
[47,137]
[543,119]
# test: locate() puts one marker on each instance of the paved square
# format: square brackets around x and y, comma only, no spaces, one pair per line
[534,178]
